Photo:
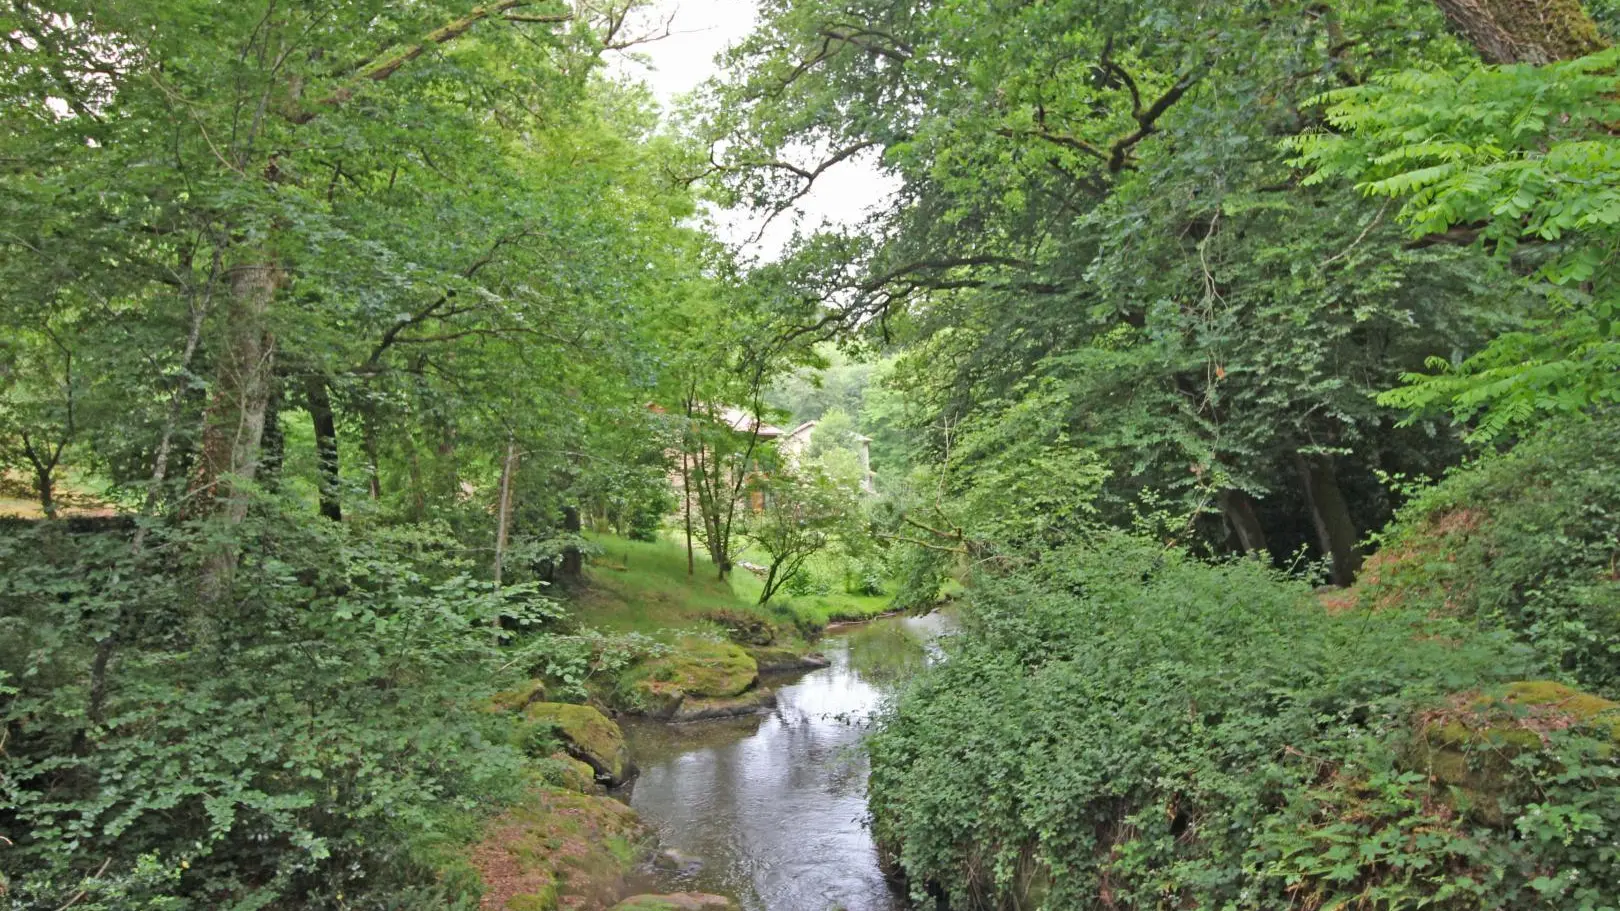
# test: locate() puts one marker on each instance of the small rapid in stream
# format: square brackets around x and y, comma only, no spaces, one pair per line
[772,808]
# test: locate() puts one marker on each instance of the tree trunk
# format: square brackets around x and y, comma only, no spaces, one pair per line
[573,560]
[1238,508]
[373,463]
[418,480]
[233,422]
[318,400]
[686,499]
[1524,31]
[1331,516]
[45,484]
[770,585]
[503,511]
[273,445]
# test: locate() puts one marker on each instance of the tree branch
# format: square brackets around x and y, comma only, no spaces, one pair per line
[388,66]
[1147,123]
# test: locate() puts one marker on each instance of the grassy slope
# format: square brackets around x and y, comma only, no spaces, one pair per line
[639,586]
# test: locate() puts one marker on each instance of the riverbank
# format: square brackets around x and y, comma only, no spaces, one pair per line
[645,587]
[641,802]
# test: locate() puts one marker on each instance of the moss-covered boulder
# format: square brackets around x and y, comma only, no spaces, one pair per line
[589,736]
[573,774]
[519,697]
[694,669]
[679,901]
[1469,746]
[752,702]
[558,850]
[776,659]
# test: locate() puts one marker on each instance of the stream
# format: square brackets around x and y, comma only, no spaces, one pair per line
[771,808]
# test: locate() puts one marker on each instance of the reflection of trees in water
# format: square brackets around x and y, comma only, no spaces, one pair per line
[886,652]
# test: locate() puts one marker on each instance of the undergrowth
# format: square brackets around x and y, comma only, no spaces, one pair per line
[305,735]
[1122,726]
[1527,540]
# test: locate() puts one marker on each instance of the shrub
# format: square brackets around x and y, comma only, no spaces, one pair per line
[1529,541]
[308,731]
[1123,726]
[864,575]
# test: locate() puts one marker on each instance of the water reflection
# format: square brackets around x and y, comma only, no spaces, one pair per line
[774,805]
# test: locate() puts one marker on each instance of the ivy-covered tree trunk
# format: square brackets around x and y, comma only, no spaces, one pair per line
[368,432]
[318,400]
[239,403]
[1330,513]
[1524,31]
[503,508]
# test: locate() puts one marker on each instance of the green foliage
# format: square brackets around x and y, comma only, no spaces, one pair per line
[1125,726]
[835,430]
[1527,540]
[309,734]
[1024,486]
[1095,215]
[1526,158]
[571,664]
[804,513]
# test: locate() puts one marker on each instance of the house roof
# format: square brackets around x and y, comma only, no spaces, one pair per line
[743,422]
[801,430]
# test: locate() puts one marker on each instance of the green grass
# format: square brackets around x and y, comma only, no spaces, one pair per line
[643,587]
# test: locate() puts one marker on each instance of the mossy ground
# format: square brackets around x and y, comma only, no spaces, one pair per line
[1470,744]
[697,669]
[559,850]
[704,667]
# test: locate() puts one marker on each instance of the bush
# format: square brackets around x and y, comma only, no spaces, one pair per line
[803,582]
[1529,541]
[1123,726]
[306,732]
[864,576]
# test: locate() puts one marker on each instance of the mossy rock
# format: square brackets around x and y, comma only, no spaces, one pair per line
[573,774]
[750,703]
[590,736]
[1470,746]
[695,669]
[679,901]
[560,849]
[1582,709]
[776,659]
[518,698]
[708,670]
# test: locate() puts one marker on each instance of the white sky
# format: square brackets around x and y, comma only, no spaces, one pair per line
[676,65]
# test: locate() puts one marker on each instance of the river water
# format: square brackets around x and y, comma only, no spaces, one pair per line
[771,809]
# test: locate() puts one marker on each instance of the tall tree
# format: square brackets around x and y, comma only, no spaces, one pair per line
[1066,232]
[1525,31]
